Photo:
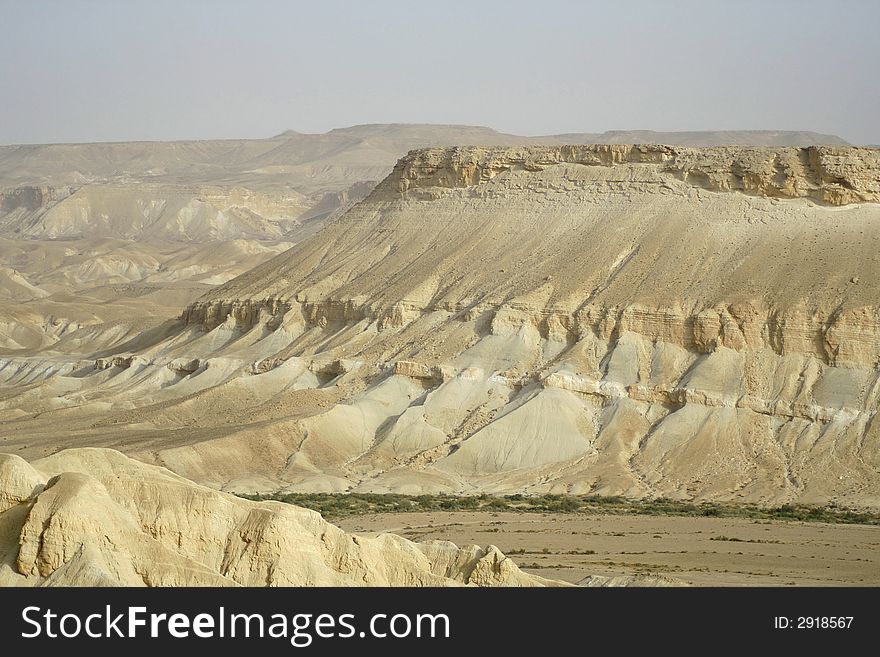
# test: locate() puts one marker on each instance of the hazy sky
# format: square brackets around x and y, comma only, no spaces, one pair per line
[155,69]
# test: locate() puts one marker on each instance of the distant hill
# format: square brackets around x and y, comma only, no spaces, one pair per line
[708,138]
[312,163]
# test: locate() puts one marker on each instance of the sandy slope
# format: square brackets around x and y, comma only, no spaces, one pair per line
[620,320]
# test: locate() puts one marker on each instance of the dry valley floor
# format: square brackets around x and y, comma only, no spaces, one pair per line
[695,551]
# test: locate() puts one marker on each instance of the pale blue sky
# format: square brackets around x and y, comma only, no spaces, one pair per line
[96,70]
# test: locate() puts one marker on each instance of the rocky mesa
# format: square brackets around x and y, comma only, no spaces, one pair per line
[697,323]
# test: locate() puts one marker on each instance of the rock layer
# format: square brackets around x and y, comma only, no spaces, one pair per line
[827,174]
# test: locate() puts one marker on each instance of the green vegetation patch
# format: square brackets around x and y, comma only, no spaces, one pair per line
[342,505]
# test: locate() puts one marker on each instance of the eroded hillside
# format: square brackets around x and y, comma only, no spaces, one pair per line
[116,237]
[96,518]
[636,320]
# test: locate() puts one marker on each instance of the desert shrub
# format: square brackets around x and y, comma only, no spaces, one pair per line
[339,505]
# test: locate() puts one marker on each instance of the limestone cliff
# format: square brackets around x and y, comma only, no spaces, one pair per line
[828,174]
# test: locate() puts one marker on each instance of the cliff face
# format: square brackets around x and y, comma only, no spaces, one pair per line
[593,232]
[636,320]
[826,174]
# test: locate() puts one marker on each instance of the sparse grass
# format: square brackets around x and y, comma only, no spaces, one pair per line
[342,505]
[733,539]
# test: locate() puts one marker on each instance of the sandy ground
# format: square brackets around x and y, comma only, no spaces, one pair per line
[573,546]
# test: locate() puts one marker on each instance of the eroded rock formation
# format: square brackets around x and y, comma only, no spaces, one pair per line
[93,517]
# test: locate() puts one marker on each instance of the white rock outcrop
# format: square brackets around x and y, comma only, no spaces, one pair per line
[90,517]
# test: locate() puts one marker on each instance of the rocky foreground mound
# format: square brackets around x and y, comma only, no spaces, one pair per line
[696,323]
[93,517]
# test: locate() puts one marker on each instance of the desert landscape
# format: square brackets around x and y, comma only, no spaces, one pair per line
[517,316]
[571,295]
